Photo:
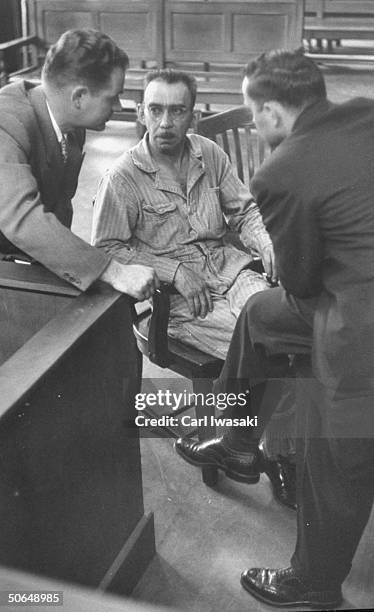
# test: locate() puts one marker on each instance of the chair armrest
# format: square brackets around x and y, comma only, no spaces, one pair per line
[151,327]
[158,327]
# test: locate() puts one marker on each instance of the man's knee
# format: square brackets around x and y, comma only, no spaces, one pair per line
[260,312]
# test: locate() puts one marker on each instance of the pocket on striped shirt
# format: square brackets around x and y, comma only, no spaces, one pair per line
[160,208]
[159,227]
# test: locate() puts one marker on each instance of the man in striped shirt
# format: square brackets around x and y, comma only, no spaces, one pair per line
[168,202]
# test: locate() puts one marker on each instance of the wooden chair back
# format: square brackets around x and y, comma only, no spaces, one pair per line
[234,131]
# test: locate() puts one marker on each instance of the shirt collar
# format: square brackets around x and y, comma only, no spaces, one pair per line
[57,130]
[142,158]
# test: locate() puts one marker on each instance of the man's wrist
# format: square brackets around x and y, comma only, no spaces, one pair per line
[109,273]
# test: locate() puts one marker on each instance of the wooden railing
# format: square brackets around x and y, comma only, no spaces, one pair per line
[71,502]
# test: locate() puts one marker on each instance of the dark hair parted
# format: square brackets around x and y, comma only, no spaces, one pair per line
[173,76]
[83,56]
[285,76]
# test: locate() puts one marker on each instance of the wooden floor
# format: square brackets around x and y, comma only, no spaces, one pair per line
[206,537]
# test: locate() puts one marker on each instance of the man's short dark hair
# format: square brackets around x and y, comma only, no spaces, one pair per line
[83,56]
[288,77]
[173,76]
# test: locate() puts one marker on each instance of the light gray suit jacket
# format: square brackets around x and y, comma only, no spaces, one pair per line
[37,188]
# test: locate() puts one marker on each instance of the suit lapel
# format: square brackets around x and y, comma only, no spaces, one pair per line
[51,144]
[67,172]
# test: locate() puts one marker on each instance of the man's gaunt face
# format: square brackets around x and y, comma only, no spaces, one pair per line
[100,105]
[167,115]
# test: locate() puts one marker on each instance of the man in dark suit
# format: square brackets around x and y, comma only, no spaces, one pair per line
[316,194]
[42,132]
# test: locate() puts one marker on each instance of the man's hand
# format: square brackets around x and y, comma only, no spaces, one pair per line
[268,260]
[140,282]
[195,291]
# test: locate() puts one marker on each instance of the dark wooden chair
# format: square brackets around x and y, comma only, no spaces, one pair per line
[235,132]
[231,128]
[150,330]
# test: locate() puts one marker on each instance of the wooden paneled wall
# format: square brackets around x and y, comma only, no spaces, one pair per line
[135,25]
[229,32]
[162,31]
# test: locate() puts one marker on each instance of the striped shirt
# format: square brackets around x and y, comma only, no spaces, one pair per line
[141,217]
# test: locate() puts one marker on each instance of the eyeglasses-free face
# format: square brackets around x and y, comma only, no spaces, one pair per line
[167,115]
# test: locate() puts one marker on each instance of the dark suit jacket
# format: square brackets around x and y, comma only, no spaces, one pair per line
[37,188]
[316,194]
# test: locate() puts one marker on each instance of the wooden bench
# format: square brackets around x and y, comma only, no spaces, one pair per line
[336,20]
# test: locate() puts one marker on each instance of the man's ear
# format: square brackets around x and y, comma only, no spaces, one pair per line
[140,111]
[272,111]
[78,95]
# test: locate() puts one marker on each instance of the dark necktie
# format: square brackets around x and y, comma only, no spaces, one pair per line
[64,148]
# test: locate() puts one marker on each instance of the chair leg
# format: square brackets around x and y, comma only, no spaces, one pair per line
[204,386]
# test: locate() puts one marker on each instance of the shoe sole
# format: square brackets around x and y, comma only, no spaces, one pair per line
[318,605]
[229,473]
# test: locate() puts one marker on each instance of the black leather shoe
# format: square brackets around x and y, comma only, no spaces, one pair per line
[282,475]
[243,467]
[283,588]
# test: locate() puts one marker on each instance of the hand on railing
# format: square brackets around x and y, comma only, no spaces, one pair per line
[140,282]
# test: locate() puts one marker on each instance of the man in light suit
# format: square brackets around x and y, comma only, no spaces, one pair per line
[42,132]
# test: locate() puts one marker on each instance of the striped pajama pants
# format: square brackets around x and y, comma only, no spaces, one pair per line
[213,335]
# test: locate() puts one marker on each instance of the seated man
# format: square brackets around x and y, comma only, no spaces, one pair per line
[42,132]
[165,204]
[316,194]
